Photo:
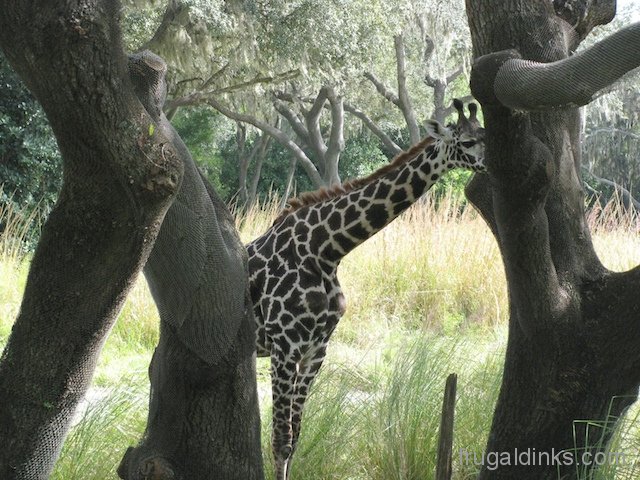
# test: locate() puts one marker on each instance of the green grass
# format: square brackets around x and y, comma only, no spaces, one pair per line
[426,297]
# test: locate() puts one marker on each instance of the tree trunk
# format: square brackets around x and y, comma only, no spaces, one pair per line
[123,164]
[573,352]
[119,179]
[265,140]
[243,163]
[203,411]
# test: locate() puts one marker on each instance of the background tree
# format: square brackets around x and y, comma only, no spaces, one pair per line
[572,352]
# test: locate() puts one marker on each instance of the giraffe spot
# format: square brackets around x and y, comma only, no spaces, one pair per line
[307,278]
[418,185]
[403,176]
[377,216]
[332,254]
[432,152]
[358,231]
[426,168]
[316,302]
[308,323]
[370,190]
[313,216]
[318,236]
[274,328]
[351,215]
[399,195]
[434,177]
[275,265]
[293,335]
[342,203]
[345,243]
[325,210]
[335,221]
[383,190]
[400,207]
[281,242]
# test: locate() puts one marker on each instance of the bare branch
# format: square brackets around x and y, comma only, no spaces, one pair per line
[199,96]
[403,95]
[294,120]
[625,195]
[312,120]
[276,133]
[453,75]
[336,136]
[377,131]
[382,89]
[366,120]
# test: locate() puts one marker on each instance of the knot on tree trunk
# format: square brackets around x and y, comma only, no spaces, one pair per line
[147,72]
[140,464]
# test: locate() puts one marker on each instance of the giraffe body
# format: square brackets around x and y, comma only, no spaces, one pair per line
[293,266]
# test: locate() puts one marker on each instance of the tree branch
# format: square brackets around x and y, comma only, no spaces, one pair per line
[277,134]
[312,120]
[199,96]
[296,124]
[625,195]
[383,89]
[366,120]
[404,101]
[573,81]
[336,137]
[375,129]
[175,8]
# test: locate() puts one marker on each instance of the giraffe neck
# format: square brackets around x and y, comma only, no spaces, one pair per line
[340,224]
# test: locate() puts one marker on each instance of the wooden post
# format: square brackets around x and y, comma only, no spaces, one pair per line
[445,443]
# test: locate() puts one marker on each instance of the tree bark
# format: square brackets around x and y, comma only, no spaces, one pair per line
[119,179]
[203,412]
[574,340]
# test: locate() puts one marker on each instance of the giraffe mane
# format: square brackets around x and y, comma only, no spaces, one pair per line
[324,193]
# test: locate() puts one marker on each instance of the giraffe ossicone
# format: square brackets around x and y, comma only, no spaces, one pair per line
[295,291]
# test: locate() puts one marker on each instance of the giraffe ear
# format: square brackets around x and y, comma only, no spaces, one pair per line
[434,129]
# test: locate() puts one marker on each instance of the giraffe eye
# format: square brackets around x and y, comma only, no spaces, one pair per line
[468,144]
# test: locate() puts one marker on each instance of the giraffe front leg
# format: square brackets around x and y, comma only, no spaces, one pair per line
[307,371]
[283,379]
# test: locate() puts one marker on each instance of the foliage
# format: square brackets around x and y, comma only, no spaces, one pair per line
[204,131]
[30,164]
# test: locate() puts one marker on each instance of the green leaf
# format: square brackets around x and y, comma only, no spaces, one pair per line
[152,128]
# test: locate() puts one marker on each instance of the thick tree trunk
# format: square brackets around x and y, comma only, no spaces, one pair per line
[203,412]
[574,338]
[123,164]
[118,182]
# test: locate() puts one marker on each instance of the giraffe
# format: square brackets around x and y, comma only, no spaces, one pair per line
[293,266]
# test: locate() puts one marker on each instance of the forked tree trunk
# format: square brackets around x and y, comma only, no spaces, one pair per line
[574,332]
[123,164]
[118,183]
[203,411]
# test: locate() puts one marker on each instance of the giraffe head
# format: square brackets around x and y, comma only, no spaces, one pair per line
[462,143]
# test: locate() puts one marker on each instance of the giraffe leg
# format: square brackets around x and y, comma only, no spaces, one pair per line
[283,379]
[307,371]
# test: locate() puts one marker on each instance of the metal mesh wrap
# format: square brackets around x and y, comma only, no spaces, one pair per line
[572,81]
[196,271]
